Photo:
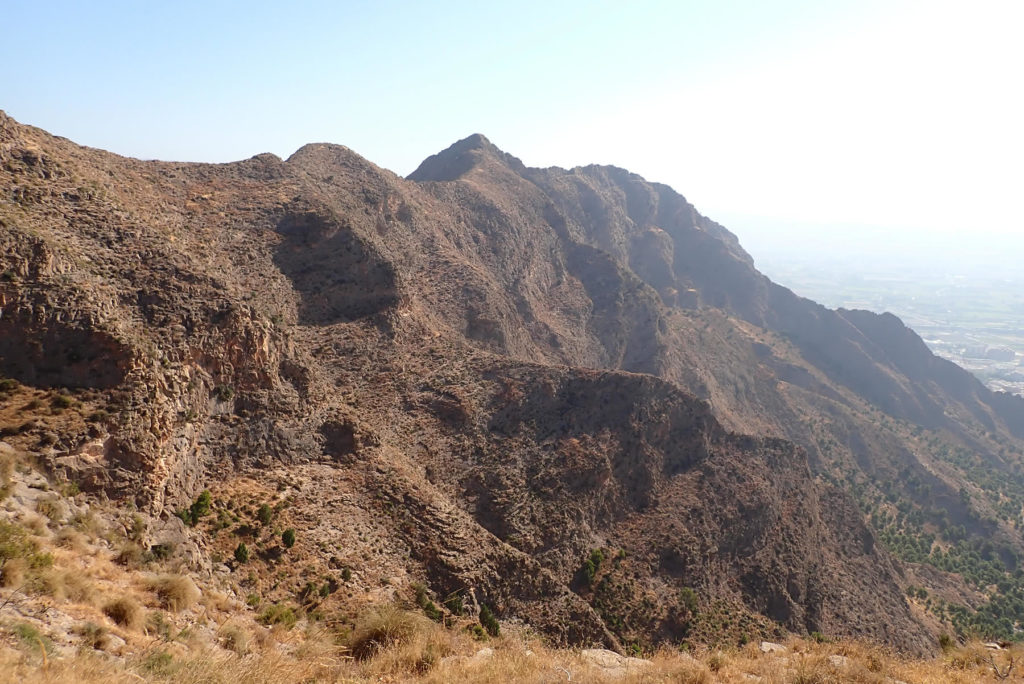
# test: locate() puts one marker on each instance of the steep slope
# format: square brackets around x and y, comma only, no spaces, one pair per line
[943,452]
[449,366]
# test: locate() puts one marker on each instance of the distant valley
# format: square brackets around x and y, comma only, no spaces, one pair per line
[970,312]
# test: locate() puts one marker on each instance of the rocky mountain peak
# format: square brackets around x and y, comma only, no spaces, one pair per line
[462,157]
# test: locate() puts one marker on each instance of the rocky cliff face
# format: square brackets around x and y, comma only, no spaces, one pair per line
[496,369]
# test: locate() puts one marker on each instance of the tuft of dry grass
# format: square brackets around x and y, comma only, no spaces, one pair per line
[130,555]
[175,592]
[234,637]
[71,539]
[93,635]
[52,508]
[37,524]
[69,585]
[52,583]
[219,601]
[383,627]
[398,642]
[13,573]
[126,612]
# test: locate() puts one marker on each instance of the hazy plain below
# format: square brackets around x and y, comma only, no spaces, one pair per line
[962,292]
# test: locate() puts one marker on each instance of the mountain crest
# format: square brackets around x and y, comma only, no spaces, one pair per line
[462,157]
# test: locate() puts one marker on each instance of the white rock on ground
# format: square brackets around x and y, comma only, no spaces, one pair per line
[613,664]
[771,647]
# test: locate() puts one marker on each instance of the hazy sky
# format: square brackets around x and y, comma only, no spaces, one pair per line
[765,114]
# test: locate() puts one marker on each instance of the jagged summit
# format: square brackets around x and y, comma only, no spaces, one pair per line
[462,157]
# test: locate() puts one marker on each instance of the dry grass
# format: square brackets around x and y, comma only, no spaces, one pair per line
[71,539]
[175,592]
[398,641]
[37,524]
[52,507]
[52,583]
[126,612]
[234,637]
[13,573]
[318,658]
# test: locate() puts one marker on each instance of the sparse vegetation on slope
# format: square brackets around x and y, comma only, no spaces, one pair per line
[554,399]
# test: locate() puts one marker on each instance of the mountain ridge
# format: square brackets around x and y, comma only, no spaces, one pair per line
[446,339]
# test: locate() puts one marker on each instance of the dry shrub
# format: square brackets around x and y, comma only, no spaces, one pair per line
[13,573]
[51,582]
[382,627]
[219,601]
[813,670]
[125,611]
[176,592]
[87,523]
[262,637]
[130,555]
[93,635]
[234,638]
[51,507]
[397,641]
[79,588]
[37,525]
[70,538]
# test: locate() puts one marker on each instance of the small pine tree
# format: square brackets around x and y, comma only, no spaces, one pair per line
[288,538]
[242,553]
[265,514]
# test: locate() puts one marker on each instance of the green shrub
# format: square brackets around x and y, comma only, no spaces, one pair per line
[242,553]
[16,545]
[454,604]
[265,514]
[32,638]
[234,638]
[199,508]
[346,574]
[223,392]
[62,401]
[424,602]
[585,575]
[95,636]
[288,538]
[489,621]
[279,614]
[688,598]
[158,663]
[161,551]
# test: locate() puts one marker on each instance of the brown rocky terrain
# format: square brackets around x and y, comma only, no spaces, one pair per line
[476,378]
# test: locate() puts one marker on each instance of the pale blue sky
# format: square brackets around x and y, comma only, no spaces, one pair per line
[899,114]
